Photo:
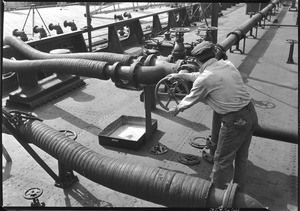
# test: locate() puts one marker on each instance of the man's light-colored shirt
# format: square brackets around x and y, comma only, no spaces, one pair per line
[220,86]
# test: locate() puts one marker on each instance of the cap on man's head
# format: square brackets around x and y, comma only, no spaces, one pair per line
[204,50]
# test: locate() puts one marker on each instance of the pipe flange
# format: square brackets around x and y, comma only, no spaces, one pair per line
[237,33]
[229,195]
[189,159]
[141,59]
[158,149]
[210,187]
[115,68]
[132,73]
[262,14]
[149,60]
[242,35]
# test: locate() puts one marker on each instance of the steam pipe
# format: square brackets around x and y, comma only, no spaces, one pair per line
[245,27]
[135,74]
[157,185]
[263,131]
[20,34]
[57,28]
[40,30]
[71,24]
[32,53]
[277,134]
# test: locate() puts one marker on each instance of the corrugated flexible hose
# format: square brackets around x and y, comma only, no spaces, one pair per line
[160,186]
[31,53]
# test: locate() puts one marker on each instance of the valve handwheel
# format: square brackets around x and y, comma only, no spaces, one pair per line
[69,133]
[33,193]
[170,90]
[179,30]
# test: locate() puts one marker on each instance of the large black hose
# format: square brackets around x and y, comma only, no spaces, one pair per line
[277,134]
[135,74]
[31,53]
[80,67]
[153,184]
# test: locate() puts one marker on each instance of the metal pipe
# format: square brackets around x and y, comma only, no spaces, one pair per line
[277,134]
[70,24]
[57,28]
[32,53]
[40,30]
[20,34]
[89,27]
[245,27]
[152,184]
[264,132]
[135,75]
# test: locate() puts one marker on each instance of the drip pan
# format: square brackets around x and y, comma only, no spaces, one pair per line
[126,132]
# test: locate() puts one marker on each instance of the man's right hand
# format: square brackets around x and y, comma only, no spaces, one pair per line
[174,111]
[173,76]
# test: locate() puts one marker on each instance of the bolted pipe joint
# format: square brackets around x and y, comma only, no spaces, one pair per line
[70,24]
[240,35]
[150,60]
[20,34]
[57,28]
[40,30]
[125,77]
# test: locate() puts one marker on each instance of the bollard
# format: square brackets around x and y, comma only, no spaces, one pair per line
[292,42]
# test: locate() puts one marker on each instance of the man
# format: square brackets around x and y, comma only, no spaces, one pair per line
[219,84]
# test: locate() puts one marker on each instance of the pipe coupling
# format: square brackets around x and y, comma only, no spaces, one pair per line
[125,78]
[141,59]
[150,60]
[237,33]
[261,13]
[229,195]
[114,72]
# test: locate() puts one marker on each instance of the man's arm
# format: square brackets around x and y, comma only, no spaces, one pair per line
[185,76]
[197,93]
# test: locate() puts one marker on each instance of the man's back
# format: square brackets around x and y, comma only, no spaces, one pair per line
[226,91]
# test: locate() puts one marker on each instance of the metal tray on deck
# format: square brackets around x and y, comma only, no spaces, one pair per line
[126,132]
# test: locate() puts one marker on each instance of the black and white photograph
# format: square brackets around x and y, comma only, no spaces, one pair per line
[120,105]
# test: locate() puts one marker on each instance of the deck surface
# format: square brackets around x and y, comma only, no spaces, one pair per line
[273,84]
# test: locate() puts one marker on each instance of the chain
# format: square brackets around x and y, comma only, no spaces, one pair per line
[18,117]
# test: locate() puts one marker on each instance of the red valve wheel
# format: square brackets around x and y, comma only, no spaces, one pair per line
[167,91]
